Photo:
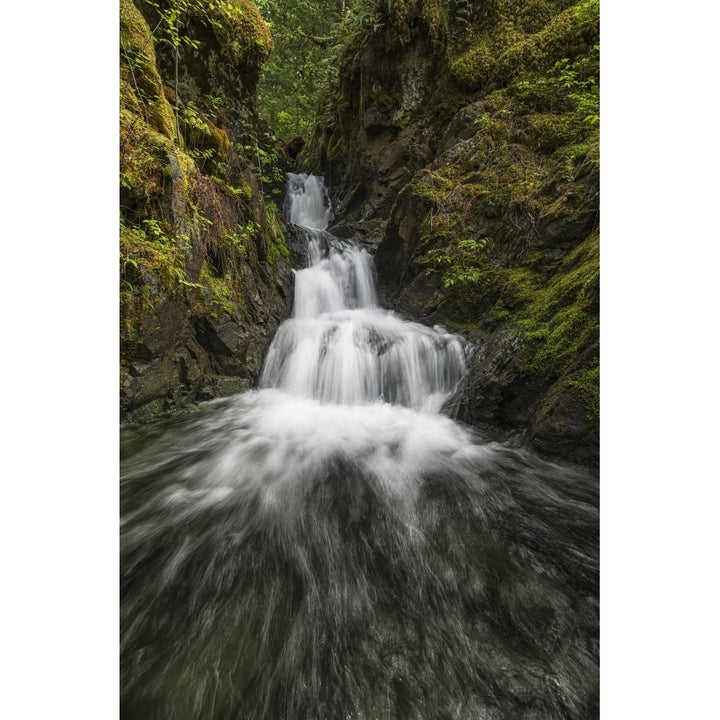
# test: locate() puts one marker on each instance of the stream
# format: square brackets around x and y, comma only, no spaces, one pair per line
[333,545]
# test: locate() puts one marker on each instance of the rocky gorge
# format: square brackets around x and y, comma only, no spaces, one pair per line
[459,143]
[359,369]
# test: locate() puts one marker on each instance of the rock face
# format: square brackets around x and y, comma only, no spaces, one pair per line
[204,268]
[463,144]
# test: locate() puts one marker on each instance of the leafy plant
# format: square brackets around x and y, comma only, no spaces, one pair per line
[154,229]
[240,236]
[462,11]
[459,263]
[587,13]
[567,86]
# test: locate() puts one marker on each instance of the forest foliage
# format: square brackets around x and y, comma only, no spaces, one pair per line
[310,37]
[304,32]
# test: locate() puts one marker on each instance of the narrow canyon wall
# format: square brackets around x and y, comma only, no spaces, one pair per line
[461,140]
[204,266]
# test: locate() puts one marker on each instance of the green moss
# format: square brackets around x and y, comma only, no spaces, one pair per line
[500,313]
[219,295]
[491,175]
[144,163]
[560,318]
[242,191]
[141,88]
[222,293]
[399,17]
[243,34]
[559,38]
[186,163]
[152,269]
[587,383]
[202,134]
[136,305]
[473,67]
[557,313]
[522,165]
[536,14]
[547,132]
[274,236]
[155,253]
[436,14]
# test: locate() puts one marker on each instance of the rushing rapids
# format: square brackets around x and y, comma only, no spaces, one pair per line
[331,545]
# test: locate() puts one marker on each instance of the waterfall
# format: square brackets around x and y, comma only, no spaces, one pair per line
[331,545]
[339,346]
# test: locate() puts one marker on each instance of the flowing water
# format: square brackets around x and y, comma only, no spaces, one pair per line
[333,546]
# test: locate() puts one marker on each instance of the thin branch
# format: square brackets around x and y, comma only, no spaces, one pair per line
[319,41]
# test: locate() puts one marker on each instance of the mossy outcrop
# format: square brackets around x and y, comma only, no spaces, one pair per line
[204,277]
[462,139]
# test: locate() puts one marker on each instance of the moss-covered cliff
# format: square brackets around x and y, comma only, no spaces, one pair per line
[204,280]
[463,139]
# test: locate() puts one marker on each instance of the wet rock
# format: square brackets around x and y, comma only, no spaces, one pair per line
[554,232]
[561,426]
[294,147]
[420,299]
[462,126]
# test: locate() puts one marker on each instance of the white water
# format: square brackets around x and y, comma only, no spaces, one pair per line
[339,346]
[332,546]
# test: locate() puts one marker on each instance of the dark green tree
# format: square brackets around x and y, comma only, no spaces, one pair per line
[305,33]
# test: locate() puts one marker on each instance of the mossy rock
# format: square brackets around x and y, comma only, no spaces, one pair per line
[203,134]
[223,50]
[567,421]
[474,67]
[244,36]
[405,19]
[144,165]
[534,15]
[562,37]
[560,315]
[141,88]
[547,132]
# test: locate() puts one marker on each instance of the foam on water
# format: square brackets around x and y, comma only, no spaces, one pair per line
[331,545]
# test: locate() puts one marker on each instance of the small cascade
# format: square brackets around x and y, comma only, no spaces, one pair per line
[307,203]
[339,346]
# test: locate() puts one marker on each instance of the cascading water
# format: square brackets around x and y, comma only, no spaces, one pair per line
[339,346]
[332,546]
